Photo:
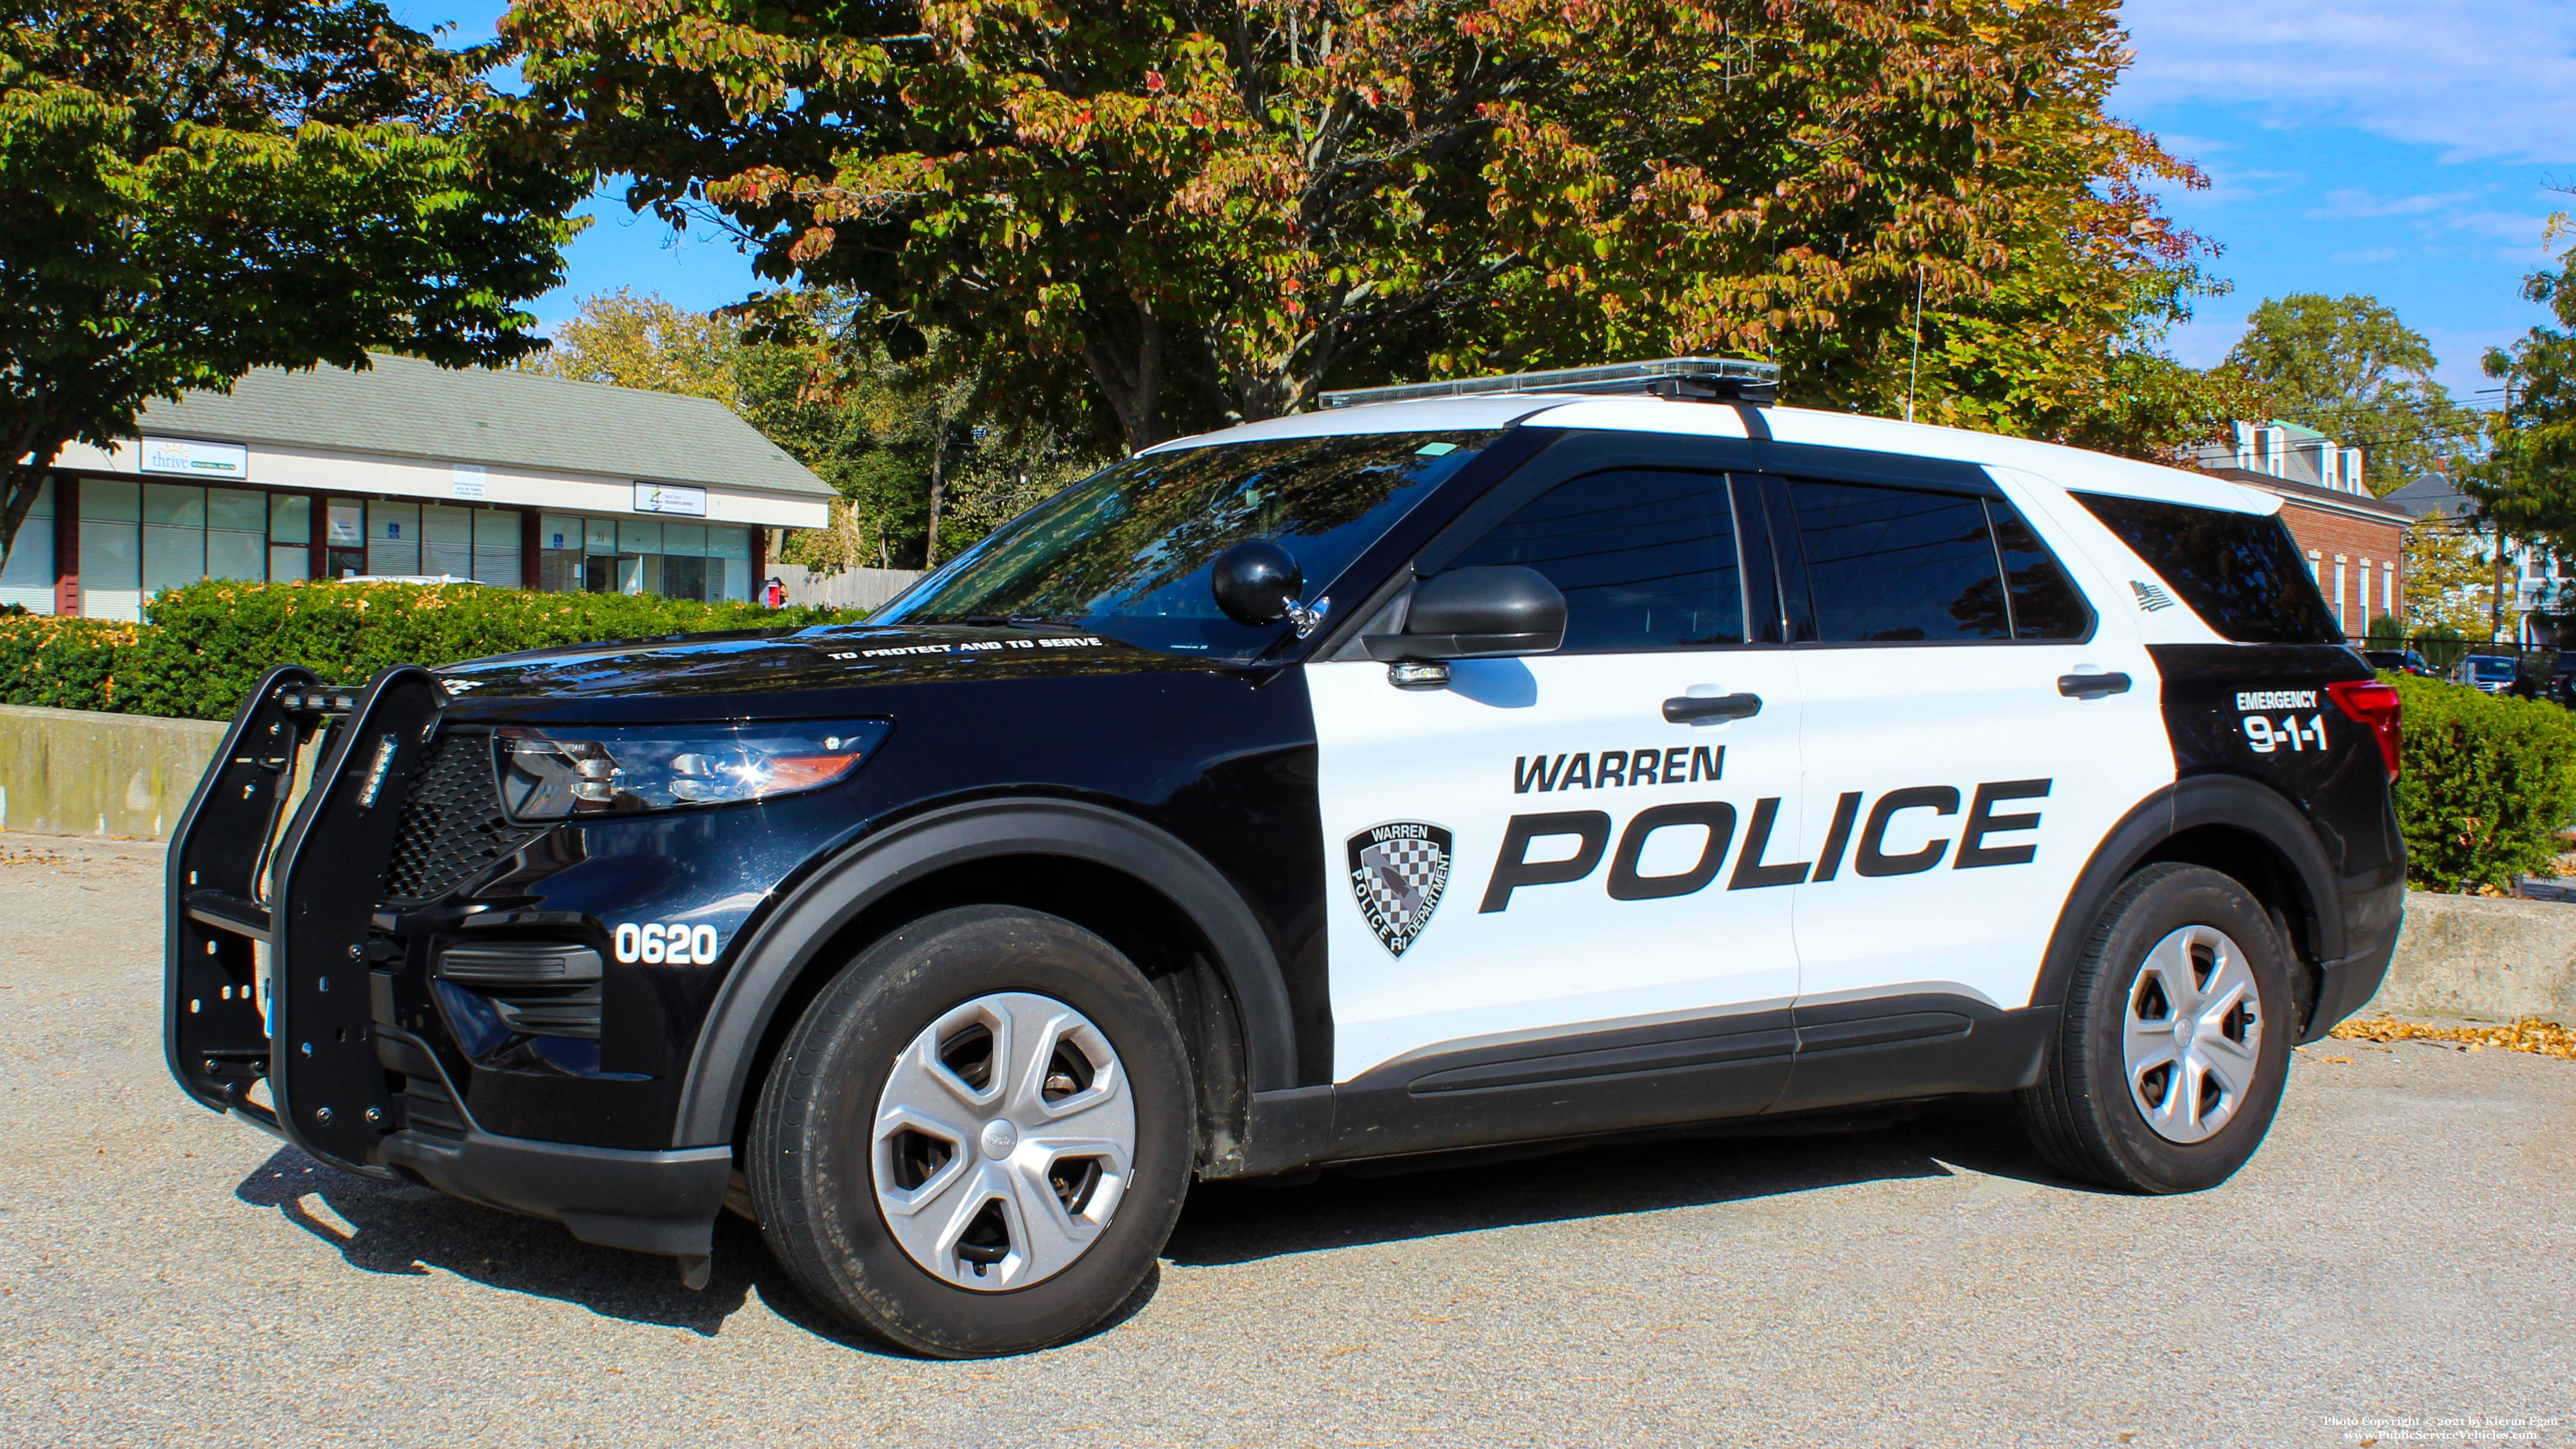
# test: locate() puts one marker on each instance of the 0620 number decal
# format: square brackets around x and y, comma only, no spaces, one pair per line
[676,944]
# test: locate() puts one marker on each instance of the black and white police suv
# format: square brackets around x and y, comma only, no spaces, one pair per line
[1490,762]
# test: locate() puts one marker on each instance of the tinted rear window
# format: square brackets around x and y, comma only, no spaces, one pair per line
[2240,572]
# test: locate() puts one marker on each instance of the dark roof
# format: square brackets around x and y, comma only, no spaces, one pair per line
[409,408]
[2428,493]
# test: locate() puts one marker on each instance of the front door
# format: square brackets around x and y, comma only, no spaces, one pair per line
[1570,874]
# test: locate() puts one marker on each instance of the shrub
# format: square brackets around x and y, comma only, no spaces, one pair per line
[63,663]
[202,647]
[2489,782]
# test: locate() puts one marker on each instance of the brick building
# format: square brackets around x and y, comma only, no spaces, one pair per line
[2355,543]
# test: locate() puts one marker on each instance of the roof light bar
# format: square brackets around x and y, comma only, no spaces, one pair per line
[1704,379]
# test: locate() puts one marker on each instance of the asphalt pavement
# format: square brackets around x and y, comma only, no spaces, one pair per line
[2394,1267]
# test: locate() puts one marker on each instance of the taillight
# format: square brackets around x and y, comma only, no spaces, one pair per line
[2369,703]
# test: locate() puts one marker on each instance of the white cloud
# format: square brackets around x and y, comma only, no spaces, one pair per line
[2484,79]
[2362,203]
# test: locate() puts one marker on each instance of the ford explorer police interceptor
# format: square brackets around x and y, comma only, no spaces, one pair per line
[1495,762]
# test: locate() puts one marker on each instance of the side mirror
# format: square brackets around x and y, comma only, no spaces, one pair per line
[1477,613]
[1257,583]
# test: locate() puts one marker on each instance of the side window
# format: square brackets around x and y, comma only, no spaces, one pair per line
[2045,604]
[2241,572]
[1897,565]
[1646,559]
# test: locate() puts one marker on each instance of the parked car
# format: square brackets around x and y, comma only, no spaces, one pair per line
[2397,661]
[2490,672]
[2548,674]
[1416,775]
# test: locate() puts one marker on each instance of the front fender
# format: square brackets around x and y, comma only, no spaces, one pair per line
[793,938]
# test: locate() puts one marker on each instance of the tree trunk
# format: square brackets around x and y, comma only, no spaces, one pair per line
[22,476]
[1130,376]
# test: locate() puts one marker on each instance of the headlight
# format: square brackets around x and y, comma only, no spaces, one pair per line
[559,774]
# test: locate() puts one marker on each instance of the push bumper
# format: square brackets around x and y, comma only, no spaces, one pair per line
[258,878]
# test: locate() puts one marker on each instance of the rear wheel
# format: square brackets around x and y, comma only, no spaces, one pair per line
[976,1140]
[2174,1041]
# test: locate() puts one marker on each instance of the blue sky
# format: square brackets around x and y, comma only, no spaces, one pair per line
[2401,148]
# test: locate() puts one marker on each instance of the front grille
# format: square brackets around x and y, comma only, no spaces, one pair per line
[452,827]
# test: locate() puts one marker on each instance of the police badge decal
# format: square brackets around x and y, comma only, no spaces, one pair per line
[1398,872]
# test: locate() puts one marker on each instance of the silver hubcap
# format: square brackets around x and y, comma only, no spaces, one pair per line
[1004,1139]
[2194,1034]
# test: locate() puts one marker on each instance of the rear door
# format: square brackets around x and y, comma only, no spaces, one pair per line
[1551,906]
[1971,731]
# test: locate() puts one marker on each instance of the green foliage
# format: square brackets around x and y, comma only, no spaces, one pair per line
[2386,632]
[2489,782]
[2450,578]
[923,464]
[194,188]
[2347,367]
[202,647]
[2528,481]
[1193,213]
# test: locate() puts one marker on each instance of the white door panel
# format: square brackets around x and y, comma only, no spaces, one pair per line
[1597,915]
[1932,892]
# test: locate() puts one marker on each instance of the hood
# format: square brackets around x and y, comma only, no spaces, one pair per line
[827,658]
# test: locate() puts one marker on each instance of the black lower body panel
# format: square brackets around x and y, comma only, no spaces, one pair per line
[651,1202]
[1890,1048]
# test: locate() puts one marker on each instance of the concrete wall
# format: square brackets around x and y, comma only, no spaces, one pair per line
[72,772]
[2494,960]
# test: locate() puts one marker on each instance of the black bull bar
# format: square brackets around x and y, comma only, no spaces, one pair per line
[240,886]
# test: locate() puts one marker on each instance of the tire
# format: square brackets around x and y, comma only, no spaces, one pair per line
[940,1233]
[2101,1111]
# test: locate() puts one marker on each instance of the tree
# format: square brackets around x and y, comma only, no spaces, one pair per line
[645,342]
[920,467]
[196,188]
[2347,367]
[2450,578]
[2528,478]
[1197,211]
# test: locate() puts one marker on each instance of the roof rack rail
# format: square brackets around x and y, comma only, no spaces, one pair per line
[1700,379]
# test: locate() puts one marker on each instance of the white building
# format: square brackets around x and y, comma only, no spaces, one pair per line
[509,478]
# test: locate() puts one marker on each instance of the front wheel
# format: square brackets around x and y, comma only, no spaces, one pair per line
[976,1140]
[2174,1041]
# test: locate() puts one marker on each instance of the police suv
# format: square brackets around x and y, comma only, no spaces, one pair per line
[1494,762]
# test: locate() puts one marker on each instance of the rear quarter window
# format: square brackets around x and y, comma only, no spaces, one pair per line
[2241,572]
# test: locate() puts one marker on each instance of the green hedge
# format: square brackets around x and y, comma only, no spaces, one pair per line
[201,648]
[2488,784]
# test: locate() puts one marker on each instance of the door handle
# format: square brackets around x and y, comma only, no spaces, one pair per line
[2091,686]
[1690,708]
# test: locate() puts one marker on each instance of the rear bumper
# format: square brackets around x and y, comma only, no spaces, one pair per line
[2345,986]
[650,1202]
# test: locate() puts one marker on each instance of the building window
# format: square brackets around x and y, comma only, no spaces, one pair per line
[643,556]
[28,580]
[111,549]
[431,540]
[2340,621]
[346,541]
[290,537]
[2388,589]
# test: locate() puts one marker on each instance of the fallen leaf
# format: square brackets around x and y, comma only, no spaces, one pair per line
[2531,1034]
[2344,1061]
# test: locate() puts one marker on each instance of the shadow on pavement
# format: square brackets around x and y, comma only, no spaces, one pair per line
[408,1231]
[1693,1167]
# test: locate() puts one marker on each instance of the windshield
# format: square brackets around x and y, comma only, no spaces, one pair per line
[2490,667]
[1126,552]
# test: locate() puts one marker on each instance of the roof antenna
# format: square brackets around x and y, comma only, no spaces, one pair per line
[1914,364]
